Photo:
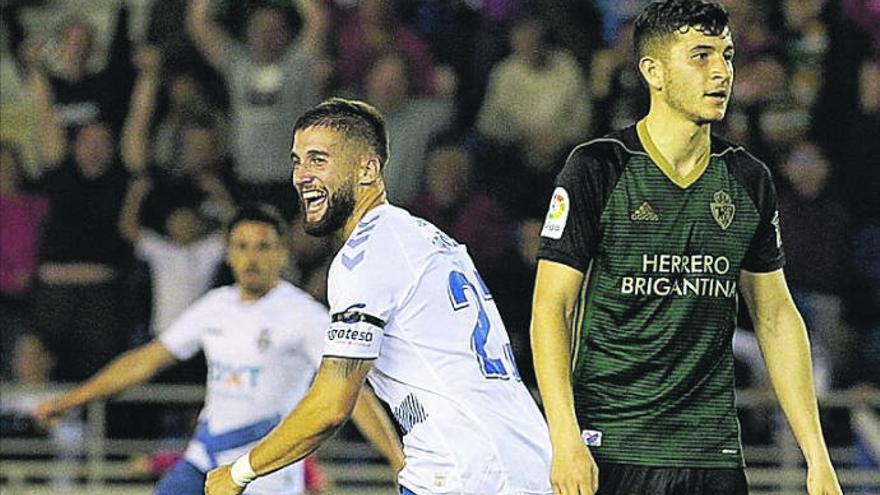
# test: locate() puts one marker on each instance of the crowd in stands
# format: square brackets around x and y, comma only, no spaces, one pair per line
[123,155]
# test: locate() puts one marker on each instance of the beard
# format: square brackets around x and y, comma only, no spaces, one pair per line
[340,206]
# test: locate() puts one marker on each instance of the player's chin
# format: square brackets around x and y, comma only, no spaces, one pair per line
[711,117]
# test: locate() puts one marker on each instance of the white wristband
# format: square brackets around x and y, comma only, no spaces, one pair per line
[242,473]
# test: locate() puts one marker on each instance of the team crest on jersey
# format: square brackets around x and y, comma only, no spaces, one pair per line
[264,341]
[723,209]
[557,215]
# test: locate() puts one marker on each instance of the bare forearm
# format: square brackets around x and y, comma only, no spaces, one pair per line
[326,407]
[786,350]
[551,344]
[300,434]
[135,136]
[210,39]
[126,371]
[53,142]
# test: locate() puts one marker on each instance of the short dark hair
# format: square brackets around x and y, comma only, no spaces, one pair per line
[353,118]
[260,213]
[661,19]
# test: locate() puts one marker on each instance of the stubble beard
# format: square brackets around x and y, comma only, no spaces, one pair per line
[340,206]
[693,109]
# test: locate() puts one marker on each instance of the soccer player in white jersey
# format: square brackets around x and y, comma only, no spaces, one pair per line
[411,314]
[262,339]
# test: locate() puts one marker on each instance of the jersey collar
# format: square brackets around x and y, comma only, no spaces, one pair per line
[664,165]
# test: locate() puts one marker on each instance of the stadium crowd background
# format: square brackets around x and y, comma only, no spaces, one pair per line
[131,130]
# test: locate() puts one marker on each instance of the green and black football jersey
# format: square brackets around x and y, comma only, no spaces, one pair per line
[652,347]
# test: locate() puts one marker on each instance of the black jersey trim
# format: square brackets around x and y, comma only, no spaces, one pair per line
[606,140]
[349,316]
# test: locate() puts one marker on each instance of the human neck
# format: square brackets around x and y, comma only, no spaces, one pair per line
[253,295]
[371,198]
[682,142]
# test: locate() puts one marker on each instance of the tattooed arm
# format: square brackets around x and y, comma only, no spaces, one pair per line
[326,407]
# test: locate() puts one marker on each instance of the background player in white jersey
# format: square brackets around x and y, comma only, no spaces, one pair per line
[412,315]
[262,339]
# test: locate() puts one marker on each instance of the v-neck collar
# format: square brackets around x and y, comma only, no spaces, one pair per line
[664,165]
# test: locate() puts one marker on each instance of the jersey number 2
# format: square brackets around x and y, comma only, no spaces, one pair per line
[459,286]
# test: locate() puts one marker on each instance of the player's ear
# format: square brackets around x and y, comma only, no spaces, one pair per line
[652,70]
[369,171]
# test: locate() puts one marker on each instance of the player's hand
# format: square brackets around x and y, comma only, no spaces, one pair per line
[822,480]
[219,482]
[573,470]
[49,413]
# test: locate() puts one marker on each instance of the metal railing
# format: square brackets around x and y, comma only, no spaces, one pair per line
[355,467]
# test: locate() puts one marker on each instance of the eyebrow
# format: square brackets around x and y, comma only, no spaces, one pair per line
[293,154]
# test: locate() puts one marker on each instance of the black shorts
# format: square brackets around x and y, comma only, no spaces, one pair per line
[627,479]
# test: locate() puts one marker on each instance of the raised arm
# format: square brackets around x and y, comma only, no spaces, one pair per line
[326,407]
[782,337]
[315,21]
[129,218]
[136,133]
[210,39]
[374,423]
[53,141]
[557,287]
[217,196]
[130,369]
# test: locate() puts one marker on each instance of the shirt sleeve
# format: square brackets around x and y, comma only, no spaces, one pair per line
[765,252]
[150,245]
[571,228]
[363,297]
[183,338]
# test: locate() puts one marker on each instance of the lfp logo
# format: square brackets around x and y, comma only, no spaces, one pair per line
[557,214]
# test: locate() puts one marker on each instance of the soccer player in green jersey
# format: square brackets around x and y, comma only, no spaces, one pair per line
[651,231]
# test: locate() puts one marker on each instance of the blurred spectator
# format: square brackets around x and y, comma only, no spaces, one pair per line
[615,14]
[815,231]
[81,95]
[77,302]
[412,122]
[21,218]
[196,175]
[270,81]
[449,201]
[765,112]
[856,146]
[182,262]
[617,89]
[33,365]
[371,28]
[537,97]
[187,104]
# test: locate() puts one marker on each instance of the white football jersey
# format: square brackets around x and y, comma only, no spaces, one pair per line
[403,292]
[262,357]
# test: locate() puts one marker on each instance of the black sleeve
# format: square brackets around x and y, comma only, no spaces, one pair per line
[571,228]
[765,250]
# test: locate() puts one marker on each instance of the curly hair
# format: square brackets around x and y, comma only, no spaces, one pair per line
[661,19]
